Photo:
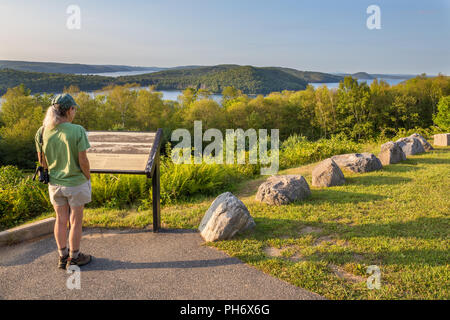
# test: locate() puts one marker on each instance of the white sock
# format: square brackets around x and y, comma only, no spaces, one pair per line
[63,252]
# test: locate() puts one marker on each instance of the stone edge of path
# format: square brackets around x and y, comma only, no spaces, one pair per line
[27,232]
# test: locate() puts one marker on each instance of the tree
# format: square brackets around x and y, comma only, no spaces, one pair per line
[151,111]
[325,110]
[21,116]
[353,108]
[121,100]
[442,118]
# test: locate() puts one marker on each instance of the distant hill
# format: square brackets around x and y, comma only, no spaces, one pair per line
[362,76]
[311,76]
[50,82]
[248,79]
[74,68]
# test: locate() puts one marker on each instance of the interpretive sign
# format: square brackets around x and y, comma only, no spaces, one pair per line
[128,153]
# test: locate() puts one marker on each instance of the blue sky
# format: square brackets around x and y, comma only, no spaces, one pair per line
[328,36]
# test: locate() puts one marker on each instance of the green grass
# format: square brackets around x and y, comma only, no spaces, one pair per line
[397,219]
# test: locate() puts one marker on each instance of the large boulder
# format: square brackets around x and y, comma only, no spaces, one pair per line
[327,174]
[410,146]
[226,216]
[358,162]
[278,190]
[425,144]
[391,153]
[442,139]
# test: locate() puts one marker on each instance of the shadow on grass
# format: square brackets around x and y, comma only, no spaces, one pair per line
[400,167]
[421,228]
[332,233]
[432,161]
[334,196]
[376,180]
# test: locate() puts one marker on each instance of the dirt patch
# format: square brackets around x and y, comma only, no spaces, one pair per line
[297,257]
[272,252]
[323,239]
[307,230]
[341,273]
[278,253]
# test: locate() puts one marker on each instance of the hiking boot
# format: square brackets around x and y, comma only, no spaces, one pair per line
[81,260]
[63,261]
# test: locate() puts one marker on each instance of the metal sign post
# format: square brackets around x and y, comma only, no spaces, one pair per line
[128,153]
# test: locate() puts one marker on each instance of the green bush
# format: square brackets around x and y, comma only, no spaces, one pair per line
[442,118]
[117,191]
[21,198]
[298,150]
[178,183]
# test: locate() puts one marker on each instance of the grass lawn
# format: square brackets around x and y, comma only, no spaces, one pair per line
[396,219]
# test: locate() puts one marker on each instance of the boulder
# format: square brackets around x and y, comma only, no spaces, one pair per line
[410,146]
[327,174]
[279,190]
[442,140]
[427,146]
[391,153]
[226,216]
[358,162]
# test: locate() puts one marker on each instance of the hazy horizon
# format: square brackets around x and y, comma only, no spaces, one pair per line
[323,36]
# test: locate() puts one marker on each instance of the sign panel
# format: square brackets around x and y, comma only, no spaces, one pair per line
[120,152]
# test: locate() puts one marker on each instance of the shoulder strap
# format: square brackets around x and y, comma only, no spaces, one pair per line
[41,137]
[41,143]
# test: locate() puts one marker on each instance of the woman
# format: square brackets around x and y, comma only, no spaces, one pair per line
[63,152]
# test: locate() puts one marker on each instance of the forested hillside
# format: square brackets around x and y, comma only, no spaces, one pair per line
[248,79]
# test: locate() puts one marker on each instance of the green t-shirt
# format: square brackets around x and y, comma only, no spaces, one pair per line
[61,146]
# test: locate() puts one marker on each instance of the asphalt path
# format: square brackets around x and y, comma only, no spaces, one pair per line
[130,264]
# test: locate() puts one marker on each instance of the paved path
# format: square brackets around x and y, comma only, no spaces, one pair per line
[172,264]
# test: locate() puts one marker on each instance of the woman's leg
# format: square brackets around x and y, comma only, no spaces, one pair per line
[60,230]
[76,222]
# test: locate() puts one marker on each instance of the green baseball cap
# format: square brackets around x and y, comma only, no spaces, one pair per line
[64,101]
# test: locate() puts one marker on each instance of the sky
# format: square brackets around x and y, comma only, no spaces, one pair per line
[320,35]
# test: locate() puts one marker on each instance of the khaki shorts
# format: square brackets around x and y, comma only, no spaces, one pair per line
[74,196]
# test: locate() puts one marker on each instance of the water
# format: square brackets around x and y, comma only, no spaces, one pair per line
[119,73]
[335,85]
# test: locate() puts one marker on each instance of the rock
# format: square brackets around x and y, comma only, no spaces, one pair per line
[358,162]
[226,216]
[391,153]
[278,190]
[327,174]
[442,139]
[410,146]
[423,141]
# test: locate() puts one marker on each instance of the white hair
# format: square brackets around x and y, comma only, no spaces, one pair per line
[53,117]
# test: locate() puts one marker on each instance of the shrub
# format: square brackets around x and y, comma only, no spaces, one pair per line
[442,118]
[298,150]
[21,198]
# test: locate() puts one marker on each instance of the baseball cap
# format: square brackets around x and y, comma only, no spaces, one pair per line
[64,101]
